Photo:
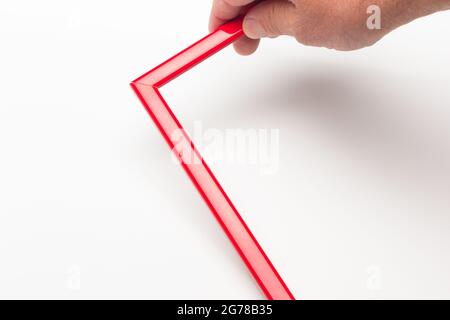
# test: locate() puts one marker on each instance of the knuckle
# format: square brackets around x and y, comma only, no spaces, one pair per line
[271,20]
[303,35]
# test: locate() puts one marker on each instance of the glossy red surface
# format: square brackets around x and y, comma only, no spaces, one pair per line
[146,87]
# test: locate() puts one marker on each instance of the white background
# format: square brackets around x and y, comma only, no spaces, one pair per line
[91,206]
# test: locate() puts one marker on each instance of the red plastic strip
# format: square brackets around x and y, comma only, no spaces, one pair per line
[146,88]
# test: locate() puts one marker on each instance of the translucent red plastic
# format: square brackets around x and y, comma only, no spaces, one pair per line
[146,88]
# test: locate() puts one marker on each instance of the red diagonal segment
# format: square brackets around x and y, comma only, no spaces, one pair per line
[146,87]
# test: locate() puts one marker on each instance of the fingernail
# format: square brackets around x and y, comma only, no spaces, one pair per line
[253,29]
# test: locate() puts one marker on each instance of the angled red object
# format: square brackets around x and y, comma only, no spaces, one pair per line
[147,89]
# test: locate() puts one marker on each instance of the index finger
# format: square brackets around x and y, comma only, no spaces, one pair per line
[225,10]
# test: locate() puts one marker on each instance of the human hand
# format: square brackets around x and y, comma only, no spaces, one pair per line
[340,25]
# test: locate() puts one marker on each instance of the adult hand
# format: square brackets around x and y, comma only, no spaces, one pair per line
[341,25]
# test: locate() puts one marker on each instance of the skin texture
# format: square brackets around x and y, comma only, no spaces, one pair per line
[340,25]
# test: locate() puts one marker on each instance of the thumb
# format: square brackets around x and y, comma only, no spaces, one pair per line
[270,18]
